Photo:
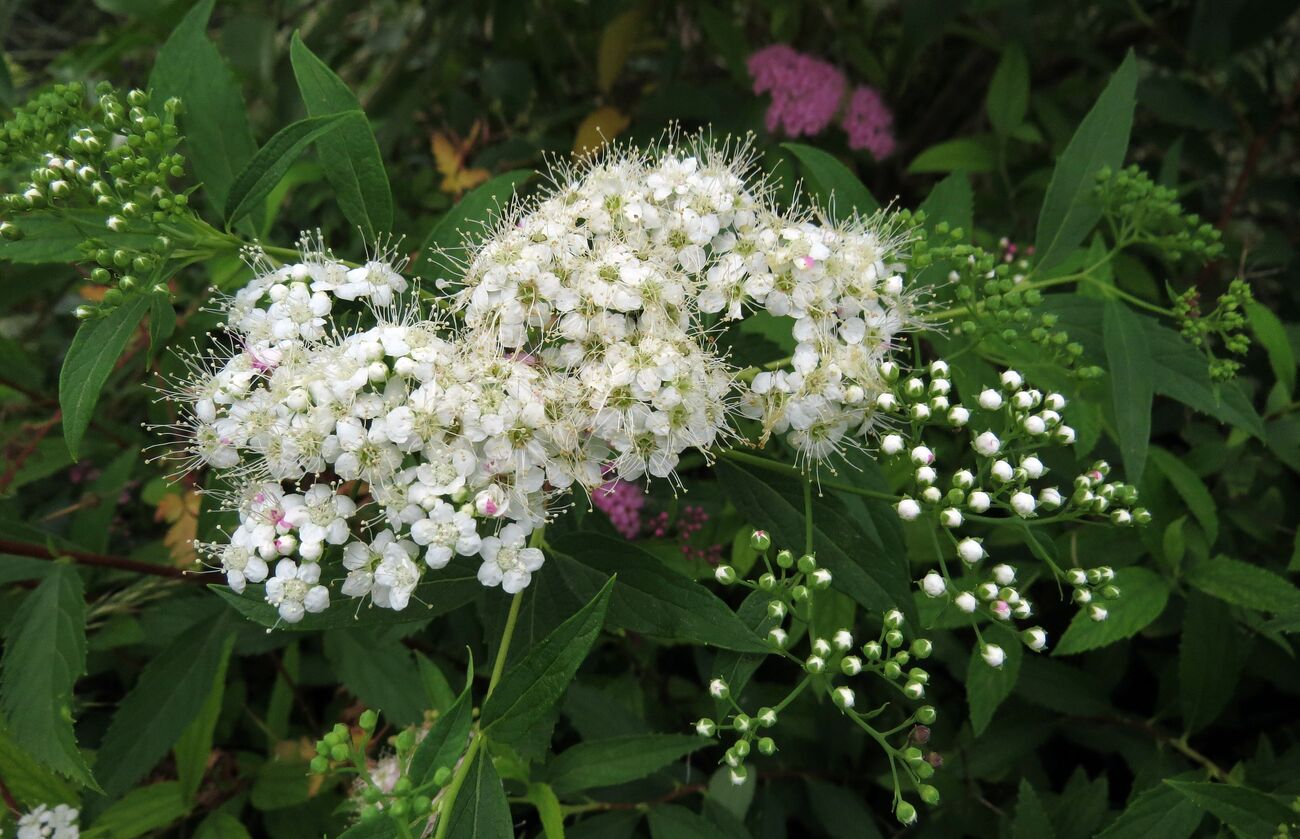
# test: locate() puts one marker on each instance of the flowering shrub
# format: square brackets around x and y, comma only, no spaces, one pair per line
[655,491]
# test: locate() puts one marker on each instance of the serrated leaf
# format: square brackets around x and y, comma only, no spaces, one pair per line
[1031,820]
[215,121]
[45,652]
[864,566]
[1008,97]
[1181,372]
[1248,811]
[481,810]
[1160,811]
[139,812]
[837,188]
[1243,584]
[1272,334]
[447,738]
[379,674]
[987,687]
[1208,661]
[91,358]
[350,156]
[171,690]
[1192,489]
[29,782]
[966,154]
[529,689]
[1143,596]
[651,598]
[605,763]
[1070,208]
[256,180]
[1132,387]
[466,223]
[194,747]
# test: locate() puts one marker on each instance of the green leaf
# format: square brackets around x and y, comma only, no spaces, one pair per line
[162,321]
[1031,819]
[1181,372]
[836,187]
[671,821]
[1208,661]
[866,567]
[987,687]
[481,810]
[967,154]
[1143,596]
[281,783]
[139,812]
[45,652]
[1132,387]
[215,122]
[605,763]
[950,201]
[466,224]
[1243,584]
[1071,208]
[57,235]
[221,825]
[194,747]
[840,811]
[350,157]
[549,811]
[1008,98]
[170,692]
[90,359]
[1158,812]
[1272,334]
[651,598]
[273,160]
[1192,489]
[445,590]
[1248,811]
[447,738]
[528,690]
[29,782]
[377,673]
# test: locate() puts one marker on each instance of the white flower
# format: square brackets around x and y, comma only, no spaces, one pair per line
[993,655]
[908,509]
[445,531]
[987,444]
[242,566]
[966,602]
[718,689]
[61,822]
[933,584]
[507,562]
[294,590]
[970,550]
[396,577]
[990,399]
[842,640]
[978,501]
[492,502]
[1023,503]
[320,514]
[376,280]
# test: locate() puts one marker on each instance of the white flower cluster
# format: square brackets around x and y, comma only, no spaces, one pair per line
[616,274]
[58,822]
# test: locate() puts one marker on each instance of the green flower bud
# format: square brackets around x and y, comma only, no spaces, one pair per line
[442,776]
[785,559]
[339,752]
[760,541]
[905,813]
[807,564]
[368,720]
[926,714]
[725,574]
[319,765]
[767,746]
[928,794]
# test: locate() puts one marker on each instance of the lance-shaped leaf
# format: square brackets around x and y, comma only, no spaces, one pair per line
[272,160]
[94,351]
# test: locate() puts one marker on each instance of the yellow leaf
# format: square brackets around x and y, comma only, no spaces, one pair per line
[616,44]
[181,511]
[600,126]
[449,155]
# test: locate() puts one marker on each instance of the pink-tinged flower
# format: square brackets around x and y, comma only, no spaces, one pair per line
[622,501]
[869,123]
[806,92]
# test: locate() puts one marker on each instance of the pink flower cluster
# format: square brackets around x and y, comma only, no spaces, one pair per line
[622,502]
[807,94]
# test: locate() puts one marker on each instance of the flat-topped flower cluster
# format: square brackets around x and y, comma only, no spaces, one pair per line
[360,430]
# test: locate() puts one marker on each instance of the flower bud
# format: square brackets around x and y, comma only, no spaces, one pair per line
[368,720]
[760,541]
[842,640]
[718,689]
[914,388]
[800,594]
[993,655]
[1034,426]
[1098,613]
[1004,575]
[958,416]
[889,371]
[920,412]
[1050,499]
[978,501]
[939,368]
[925,475]
[843,697]
[987,444]
[777,637]
[738,775]
[922,647]
[970,551]
[821,647]
[950,518]
[914,690]
[966,602]
[872,650]
[767,581]
[891,444]
[933,584]
[776,609]
[766,717]
[894,638]
[785,559]
[850,665]
[814,664]
[908,509]
[905,813]
[807,564]
[1011,380]
[990,399]
[705,727]
[820,579]
[926,715]
[928,794]
[767,746]
[1023,503]
[1064,435]
[725,574]
[931,495]
[1035,638]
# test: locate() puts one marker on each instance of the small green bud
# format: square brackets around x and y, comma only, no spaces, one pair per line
[760,541]
[725,574]
[926,714]
[928,794]
[767,582]
[785,559]
[442,776]
[905,813]
[767,746]
[339,752]
[807,564]
[368,720]
[405,741]
[319,765]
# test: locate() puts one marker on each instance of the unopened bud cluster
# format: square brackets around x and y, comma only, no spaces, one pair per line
[383,786]
[828,663]
[1227,322]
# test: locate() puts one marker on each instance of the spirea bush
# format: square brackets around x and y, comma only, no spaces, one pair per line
[670,486]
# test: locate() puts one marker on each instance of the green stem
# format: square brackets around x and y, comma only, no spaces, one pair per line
[499,666]
[786,469]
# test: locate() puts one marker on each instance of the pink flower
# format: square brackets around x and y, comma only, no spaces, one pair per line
[622,502]
[869,123]
[806,91]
